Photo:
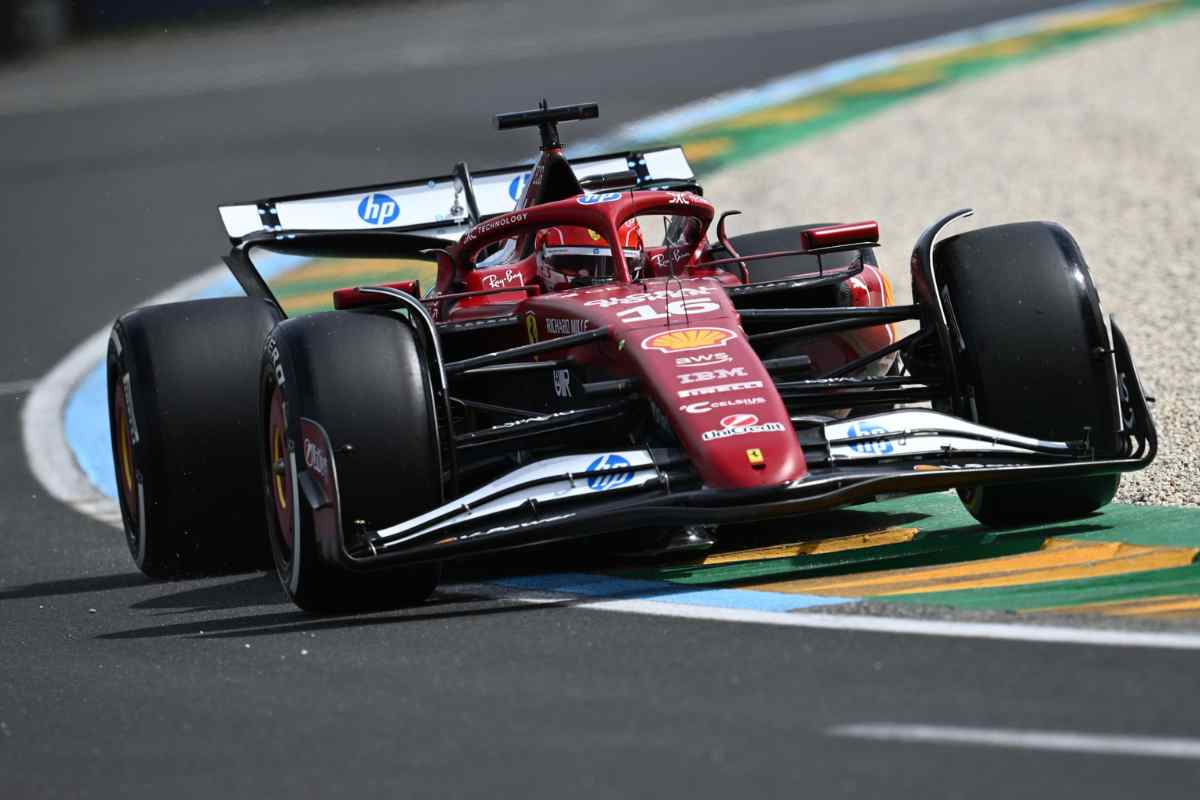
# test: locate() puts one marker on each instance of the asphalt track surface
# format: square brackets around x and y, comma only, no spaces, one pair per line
[112,686]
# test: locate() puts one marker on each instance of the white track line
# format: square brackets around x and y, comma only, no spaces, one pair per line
[1055,741]
[50,457]
[1046,634]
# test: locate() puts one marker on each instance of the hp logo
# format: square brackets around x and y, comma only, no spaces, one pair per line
[517,185]
[593,199]
[378,209]
[866,429]
[617,472]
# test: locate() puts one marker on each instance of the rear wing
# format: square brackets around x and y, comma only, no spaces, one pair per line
[434,207]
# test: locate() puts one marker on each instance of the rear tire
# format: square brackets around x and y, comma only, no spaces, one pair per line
[1036,358]
[182,404]
[363,378]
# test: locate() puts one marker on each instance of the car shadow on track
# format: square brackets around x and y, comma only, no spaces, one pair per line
[259,589]
[576,564]
[67,586]
[444,605]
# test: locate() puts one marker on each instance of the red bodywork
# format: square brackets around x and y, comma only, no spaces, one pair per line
[683,339]
[675,329]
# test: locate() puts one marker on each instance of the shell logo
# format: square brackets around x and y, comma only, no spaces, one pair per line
[688,339]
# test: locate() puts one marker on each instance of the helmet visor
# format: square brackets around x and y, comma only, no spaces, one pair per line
[587,262]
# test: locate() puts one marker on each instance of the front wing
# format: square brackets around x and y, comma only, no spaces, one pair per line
[568,497]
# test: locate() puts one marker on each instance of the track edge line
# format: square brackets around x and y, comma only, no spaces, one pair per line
[49,454]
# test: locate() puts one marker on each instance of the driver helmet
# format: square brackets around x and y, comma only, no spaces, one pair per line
[573,256]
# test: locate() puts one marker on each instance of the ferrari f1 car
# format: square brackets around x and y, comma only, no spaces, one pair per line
[598,356]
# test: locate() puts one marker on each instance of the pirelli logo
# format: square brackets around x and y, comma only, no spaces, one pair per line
[720,388]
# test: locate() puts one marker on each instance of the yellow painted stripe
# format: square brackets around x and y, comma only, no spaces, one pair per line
[1053,553]
[1161,607]
[788,114]
[311,301]
[704,149]
[837,545]
[323,269]
[1152,559]
[1116,18]
[1058,560]
[347,272]
[905,78]
[1142,606]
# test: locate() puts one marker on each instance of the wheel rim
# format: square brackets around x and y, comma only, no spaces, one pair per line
[280,475]
[126,466]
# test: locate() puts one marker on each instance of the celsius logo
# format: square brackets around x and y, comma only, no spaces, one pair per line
[378,209]
[617,472]
[517,185]
[704,406]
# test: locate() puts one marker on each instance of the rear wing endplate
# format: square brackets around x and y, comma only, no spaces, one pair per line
[435,207]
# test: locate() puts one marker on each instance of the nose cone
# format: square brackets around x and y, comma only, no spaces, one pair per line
[684,339]
[721,403]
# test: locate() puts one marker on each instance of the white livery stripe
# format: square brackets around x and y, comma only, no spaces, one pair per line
[559,479]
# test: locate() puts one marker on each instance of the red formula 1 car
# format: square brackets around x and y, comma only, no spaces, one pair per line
[601,358]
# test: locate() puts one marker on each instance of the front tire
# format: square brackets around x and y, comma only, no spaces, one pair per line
[1036,359]
[360,376]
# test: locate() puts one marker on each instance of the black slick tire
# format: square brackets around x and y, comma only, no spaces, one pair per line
[1035,359]
[182,403]
[363,378]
